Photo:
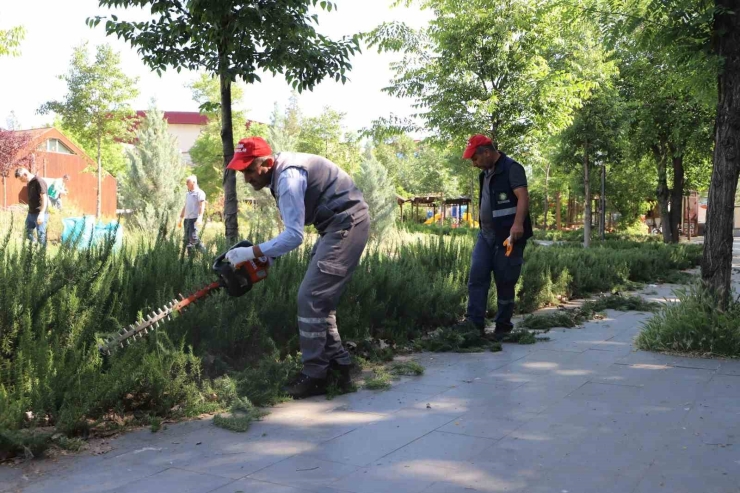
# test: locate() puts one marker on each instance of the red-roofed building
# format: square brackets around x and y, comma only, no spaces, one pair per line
[186,126]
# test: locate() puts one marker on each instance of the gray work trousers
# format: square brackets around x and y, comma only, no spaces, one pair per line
[334,258]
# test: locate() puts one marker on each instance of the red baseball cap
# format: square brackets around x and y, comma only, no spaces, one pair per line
[473,143]
[248,149]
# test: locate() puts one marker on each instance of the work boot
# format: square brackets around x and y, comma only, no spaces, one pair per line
[502,331]
[305,386]
[342,375]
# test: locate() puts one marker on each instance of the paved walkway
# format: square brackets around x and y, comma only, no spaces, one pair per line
[582,412]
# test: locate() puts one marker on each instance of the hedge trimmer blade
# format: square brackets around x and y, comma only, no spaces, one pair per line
[151,322]
[235,279]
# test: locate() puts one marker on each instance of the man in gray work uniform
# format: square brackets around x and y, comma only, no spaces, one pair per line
[504,213]
[310,189]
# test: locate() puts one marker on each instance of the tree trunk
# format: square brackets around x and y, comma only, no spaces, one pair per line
[663,194]
[587,204]
[602,204]
[571,209]
[547,179]
[716,266]
[98,207]
[5,194]
[557,211]
[677,197]
[227,141]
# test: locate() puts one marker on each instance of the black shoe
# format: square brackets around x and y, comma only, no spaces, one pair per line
[305,386]
[501,332]
[342,375]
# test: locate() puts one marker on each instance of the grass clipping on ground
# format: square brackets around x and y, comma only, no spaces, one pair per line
[569,318]
[383,375]
[243,412]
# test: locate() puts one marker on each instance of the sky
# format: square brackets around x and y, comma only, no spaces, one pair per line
[54,28]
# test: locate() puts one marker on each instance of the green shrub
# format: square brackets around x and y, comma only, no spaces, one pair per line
[694,324]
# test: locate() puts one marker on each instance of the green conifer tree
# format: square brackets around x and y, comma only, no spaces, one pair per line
[372,179]
[155,182]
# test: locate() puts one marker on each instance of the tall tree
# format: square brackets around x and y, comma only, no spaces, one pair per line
[156,172]
[705,38]
[96,107]
[717,262]
[10,40]
[283,135]
[12,142]
[377,189]
[324,135]
[493,67]
[395,154]
[592,139]
[234,39]
[668,122]
[207,150]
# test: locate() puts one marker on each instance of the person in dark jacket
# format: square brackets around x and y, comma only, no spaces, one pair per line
[38,205]
[503,215]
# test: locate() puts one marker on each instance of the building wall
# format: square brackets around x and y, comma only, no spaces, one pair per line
[186,137]
[82,186]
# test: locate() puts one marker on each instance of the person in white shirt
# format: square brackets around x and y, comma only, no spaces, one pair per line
[191,215]
[310,189]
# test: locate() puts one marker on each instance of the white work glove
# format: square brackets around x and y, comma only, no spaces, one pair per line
[240,255]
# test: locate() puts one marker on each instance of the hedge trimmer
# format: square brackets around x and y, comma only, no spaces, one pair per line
[236,280]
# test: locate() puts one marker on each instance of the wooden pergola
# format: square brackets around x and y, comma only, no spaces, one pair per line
[432,200]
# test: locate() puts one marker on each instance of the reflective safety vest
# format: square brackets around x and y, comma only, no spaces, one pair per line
[503,201]
[332,199]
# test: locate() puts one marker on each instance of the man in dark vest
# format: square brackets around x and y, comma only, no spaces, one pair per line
[310,189]
[503,214]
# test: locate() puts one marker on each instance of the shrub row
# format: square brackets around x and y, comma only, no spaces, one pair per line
[61,300]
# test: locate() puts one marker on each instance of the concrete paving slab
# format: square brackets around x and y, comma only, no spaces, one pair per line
[304,472]
[648,358]
[729,367]
[685,481]
[254,486]
[377,401]
[370,443]
[414,387]
[483,423]
[173,480]
[91,476]
[583,479]
[488,476]
[440,449]
[408,477]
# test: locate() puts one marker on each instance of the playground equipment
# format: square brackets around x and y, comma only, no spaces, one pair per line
[465,218]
